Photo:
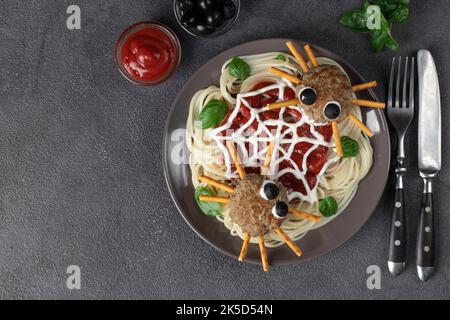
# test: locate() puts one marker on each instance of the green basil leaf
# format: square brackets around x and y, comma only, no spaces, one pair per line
[239,69]
[391,43]
[386,6]
[404,3]
[350,148]
[399,15]
[328,206]
[281,57]
[394,10]
[211,209]
[355,20]
[379,39]
[213,113]
[366,4]
[385,25]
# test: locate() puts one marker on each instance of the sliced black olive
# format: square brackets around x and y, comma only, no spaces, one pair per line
[205,4]
[280,210]
[269,190]
[308,96]
[189,19]
[332,110]
[229,9]
[213,17]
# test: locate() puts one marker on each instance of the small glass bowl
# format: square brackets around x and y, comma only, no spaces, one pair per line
[139,26]
[220,31]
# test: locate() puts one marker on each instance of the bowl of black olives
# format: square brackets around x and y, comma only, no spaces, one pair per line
[206,18]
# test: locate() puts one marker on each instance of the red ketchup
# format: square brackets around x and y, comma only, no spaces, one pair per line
[147,53]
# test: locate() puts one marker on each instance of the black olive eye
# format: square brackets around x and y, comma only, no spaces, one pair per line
[307,96]
[269,190]
[280,210]
[332,110]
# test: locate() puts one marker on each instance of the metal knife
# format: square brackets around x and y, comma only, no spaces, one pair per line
[429,159]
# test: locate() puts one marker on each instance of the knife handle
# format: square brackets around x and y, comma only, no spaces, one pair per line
[397,234]
[425,233]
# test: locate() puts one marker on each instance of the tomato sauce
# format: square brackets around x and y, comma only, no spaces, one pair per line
[316,159]
[149,52]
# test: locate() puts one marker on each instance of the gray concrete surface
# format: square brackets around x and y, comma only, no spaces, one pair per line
[80,159]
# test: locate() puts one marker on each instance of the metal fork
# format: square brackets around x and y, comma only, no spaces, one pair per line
[400,111]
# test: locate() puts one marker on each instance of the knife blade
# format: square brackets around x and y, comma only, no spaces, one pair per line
[429,151]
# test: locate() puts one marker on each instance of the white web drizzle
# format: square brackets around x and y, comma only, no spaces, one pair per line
[256,157]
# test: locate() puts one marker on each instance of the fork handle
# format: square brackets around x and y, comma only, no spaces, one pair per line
[397,234]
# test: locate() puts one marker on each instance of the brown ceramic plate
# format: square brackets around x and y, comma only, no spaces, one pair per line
[317,242]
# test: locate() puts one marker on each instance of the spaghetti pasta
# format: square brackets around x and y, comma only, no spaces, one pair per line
[210,157]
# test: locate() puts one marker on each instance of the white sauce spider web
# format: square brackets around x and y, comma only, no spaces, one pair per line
[284,142]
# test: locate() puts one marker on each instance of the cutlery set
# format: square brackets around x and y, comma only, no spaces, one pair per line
[400,111]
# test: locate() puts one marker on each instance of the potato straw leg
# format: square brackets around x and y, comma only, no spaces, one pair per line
[262,249]
[244,248]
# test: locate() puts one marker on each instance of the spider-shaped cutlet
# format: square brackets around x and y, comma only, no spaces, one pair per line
[324,94]
[258,205]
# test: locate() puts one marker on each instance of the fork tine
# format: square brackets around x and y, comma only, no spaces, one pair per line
[405,82]
[391,84]
[411,86]
[397,84]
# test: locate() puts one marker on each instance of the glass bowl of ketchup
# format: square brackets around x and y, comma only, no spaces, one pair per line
[147,53]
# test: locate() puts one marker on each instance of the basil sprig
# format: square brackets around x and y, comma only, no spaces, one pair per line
[211,209]
[239,69]
[350,148]
[392,11]
[328,206]
[212,113]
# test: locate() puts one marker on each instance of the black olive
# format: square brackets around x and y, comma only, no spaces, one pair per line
[182,12]
[185,4]
[308,96]
[332,110]
[205,4]
[202,28]
[228,9]
[189,19]
[280,210]
[269,190]
[213,17]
